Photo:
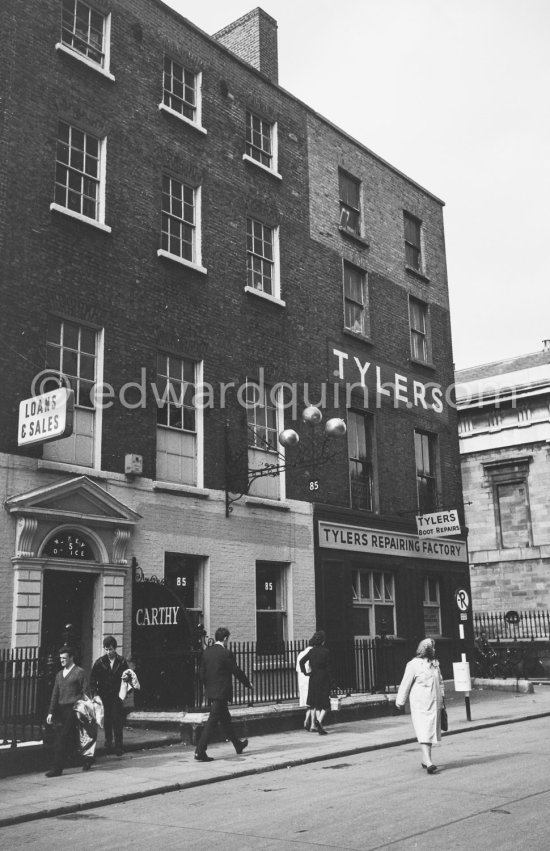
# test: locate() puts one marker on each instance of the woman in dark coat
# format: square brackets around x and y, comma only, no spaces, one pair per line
[318,696]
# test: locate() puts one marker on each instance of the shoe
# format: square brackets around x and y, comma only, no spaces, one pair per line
[307,726]
[203,757]
[54,773]
[321,730]
[431,769]
[424,765]
[119,751]
[108,747]
[240,746]
[87,764]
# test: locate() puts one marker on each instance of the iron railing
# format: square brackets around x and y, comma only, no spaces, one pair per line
[171,680]
[531,625]
[26,681]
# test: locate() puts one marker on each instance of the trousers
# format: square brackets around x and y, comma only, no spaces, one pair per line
[219,714]
[65,736]
[113,719]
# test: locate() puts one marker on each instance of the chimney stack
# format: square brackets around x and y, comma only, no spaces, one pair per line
[546,345]
[254,39]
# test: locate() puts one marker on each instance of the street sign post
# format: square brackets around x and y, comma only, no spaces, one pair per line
[461,669]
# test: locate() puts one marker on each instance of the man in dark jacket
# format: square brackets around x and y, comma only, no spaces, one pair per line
[106,680]
[218,667]
[70,685]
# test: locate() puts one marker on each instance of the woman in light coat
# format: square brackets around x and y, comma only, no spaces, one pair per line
[422,683]
[303,686]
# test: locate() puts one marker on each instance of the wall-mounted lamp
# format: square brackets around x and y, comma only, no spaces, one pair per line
[304,457]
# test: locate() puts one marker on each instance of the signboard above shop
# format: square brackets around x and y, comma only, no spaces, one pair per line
[46,417]
[438,525]
[338,536]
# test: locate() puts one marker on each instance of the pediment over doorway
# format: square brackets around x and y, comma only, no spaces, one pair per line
[79,503]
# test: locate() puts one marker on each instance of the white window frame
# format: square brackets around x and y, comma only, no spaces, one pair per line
[409,217]
[199,426]
[268,487]
[273,167]
[196,262]
[99,220]
[429,603]
[195,122]
[281,592]
[362,577]
[346,207]
[365,329]
[275,296]
[422,334]
[55,450]
[100,67]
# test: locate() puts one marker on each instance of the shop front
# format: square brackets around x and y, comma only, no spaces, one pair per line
[386,586]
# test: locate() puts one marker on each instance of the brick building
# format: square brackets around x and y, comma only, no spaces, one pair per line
[504,434]
[201,256]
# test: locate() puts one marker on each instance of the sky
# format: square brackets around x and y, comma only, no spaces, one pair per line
[455,94]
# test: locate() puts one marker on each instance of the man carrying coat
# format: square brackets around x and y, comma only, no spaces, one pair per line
[218,666]
[106,680]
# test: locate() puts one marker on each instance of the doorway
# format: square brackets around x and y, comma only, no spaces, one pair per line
[67,613]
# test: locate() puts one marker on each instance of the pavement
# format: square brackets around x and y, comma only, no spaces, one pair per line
[155,762]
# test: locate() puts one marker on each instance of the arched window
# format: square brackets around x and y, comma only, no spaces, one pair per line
[68,543]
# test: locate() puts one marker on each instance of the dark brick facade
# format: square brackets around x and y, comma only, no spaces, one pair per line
[116,282]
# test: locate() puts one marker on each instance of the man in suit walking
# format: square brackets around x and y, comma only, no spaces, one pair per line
[218,666]
[70,685]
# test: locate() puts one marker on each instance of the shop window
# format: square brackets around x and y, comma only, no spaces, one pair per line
[73,350]
[183,574]
[425,450]
[361,461]
[270,606]
[432,607]
[373,594]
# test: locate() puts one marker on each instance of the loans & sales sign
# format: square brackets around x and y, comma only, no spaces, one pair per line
[46,417]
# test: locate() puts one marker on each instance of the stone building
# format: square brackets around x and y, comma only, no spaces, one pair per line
[199,256]
[504,429]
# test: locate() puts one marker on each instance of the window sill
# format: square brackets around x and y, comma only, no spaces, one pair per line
[270,171]
[410,270]
[273,299]
[181,489]
[188,121]
[80,218]
[357,336]
[354,237]
[264,502]
[181,260]
[426,364]
[84,60]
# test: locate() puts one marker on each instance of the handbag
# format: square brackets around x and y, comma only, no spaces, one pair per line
[444,719]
